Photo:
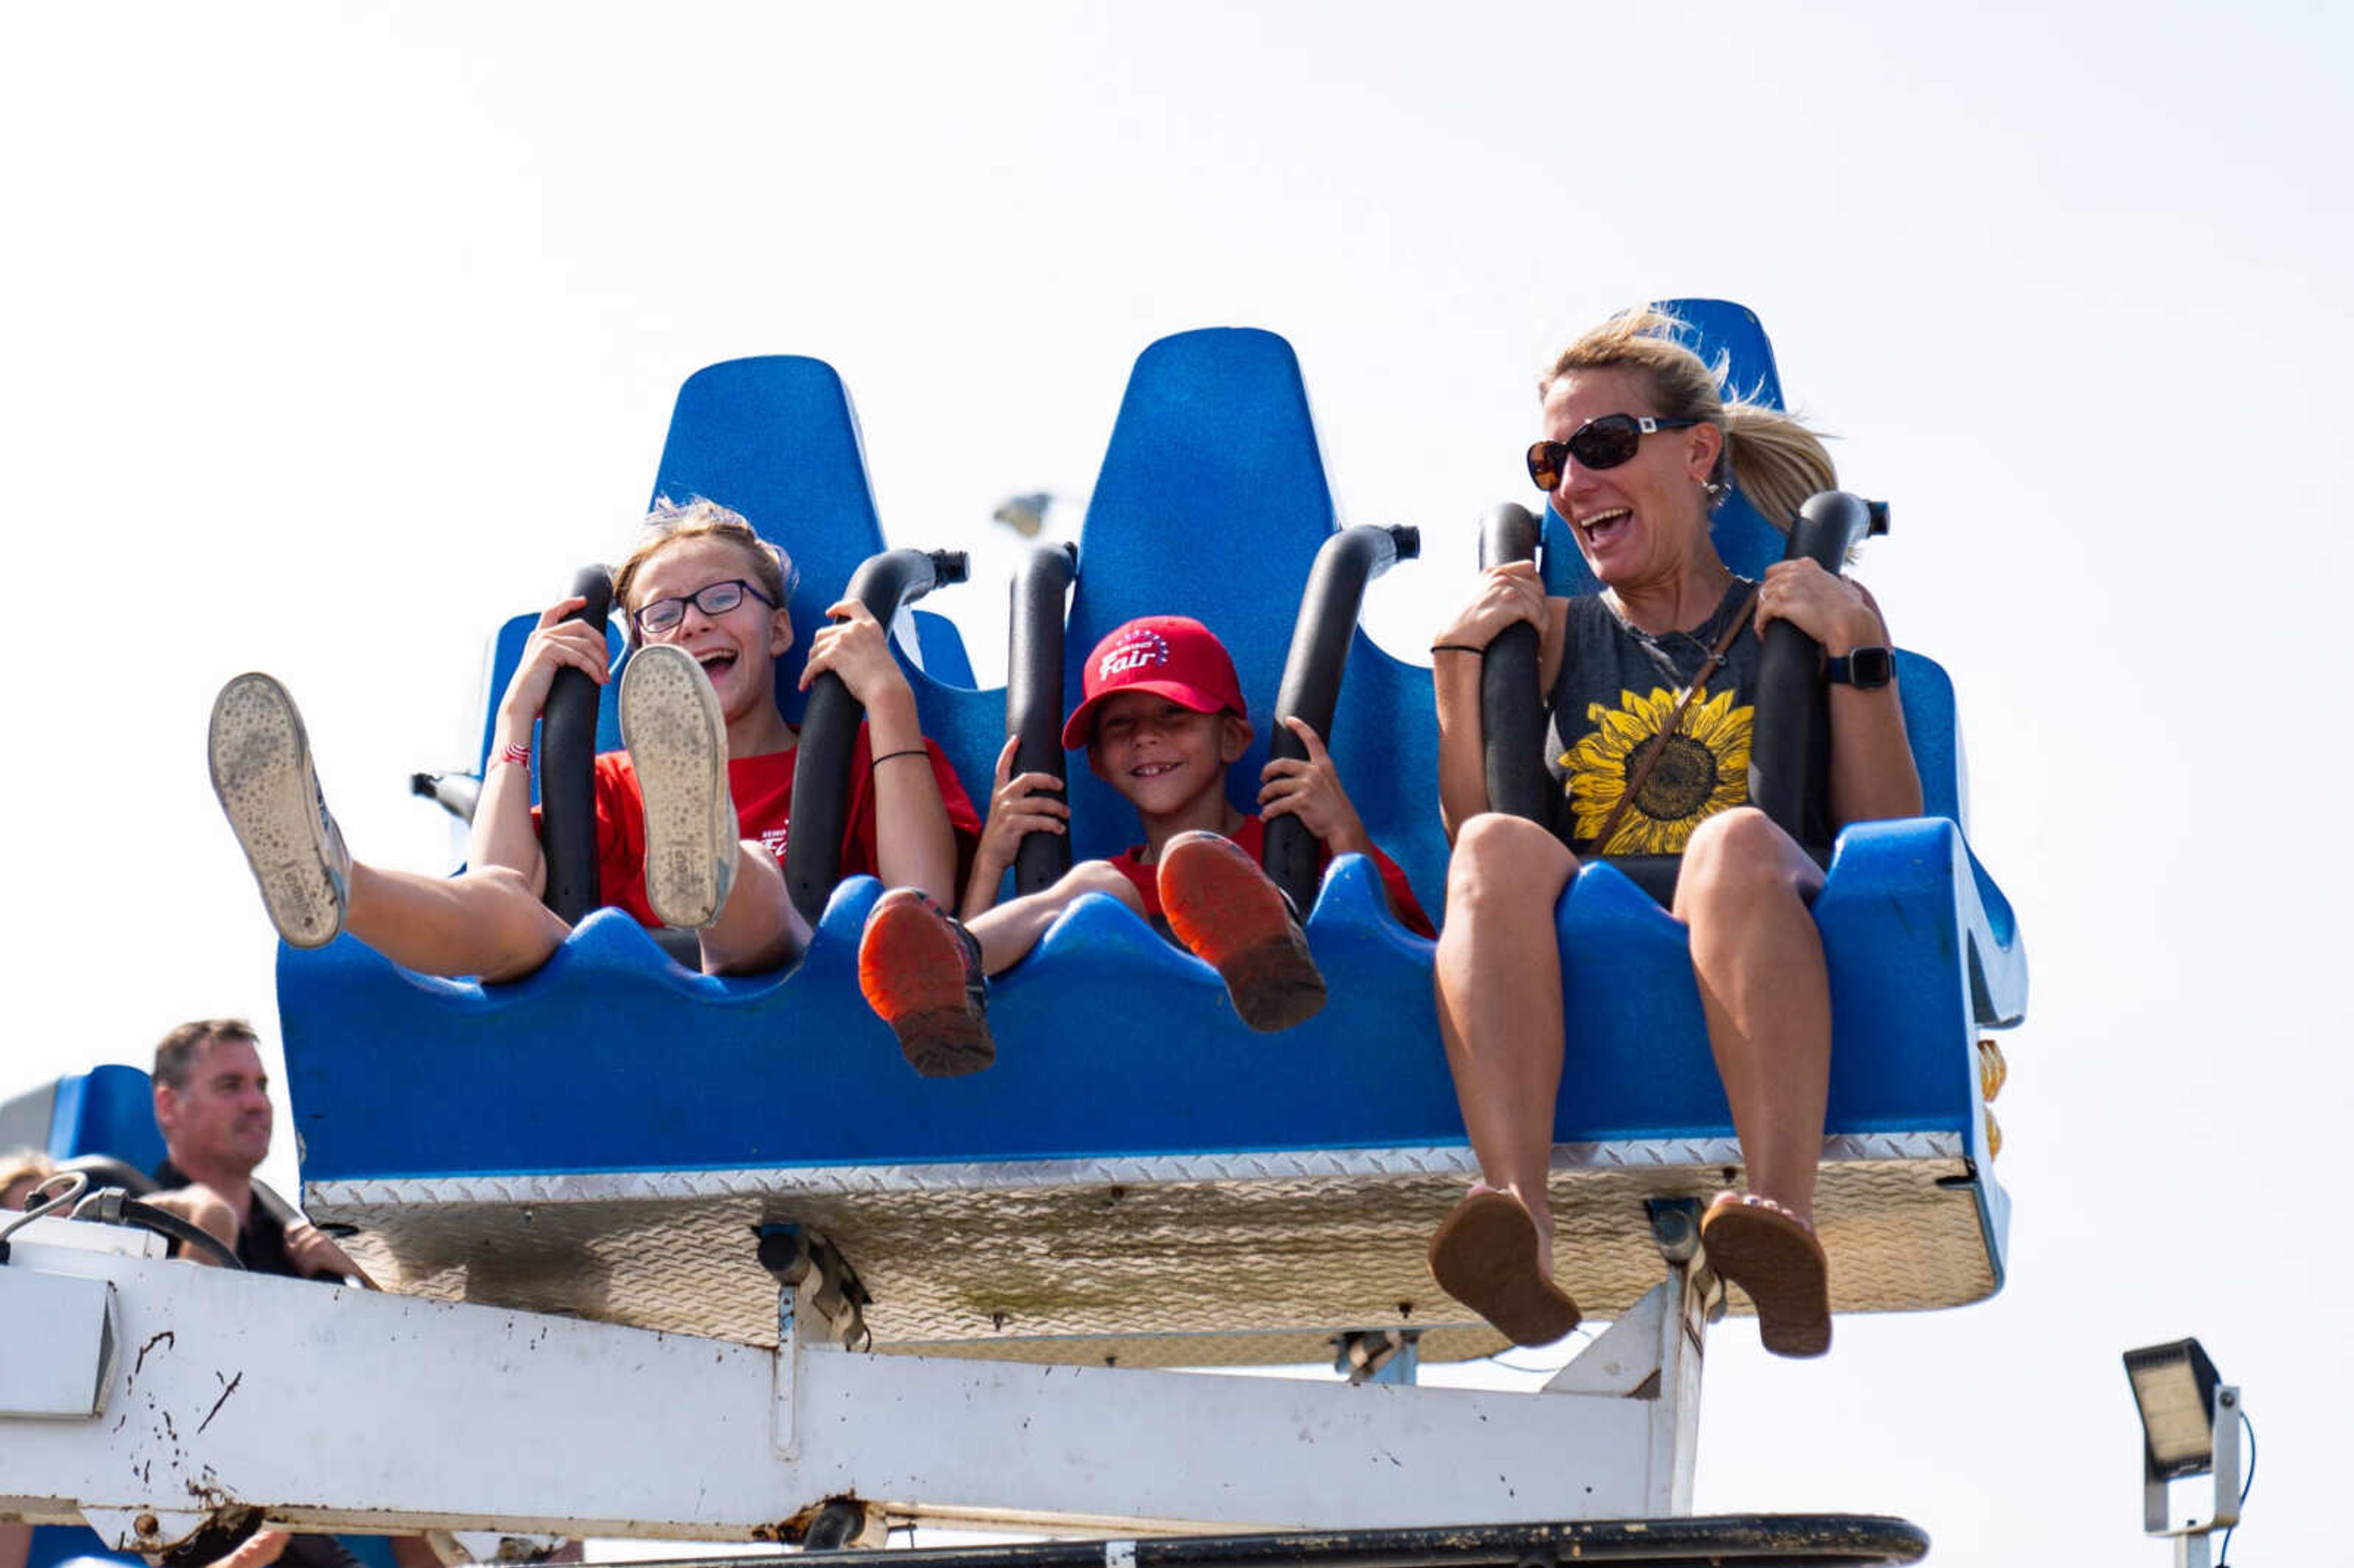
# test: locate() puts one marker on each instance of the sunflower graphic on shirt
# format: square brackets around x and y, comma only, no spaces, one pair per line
[1704,769]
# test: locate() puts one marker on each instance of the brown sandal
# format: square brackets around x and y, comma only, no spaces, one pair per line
[1775,1258]
[1484,1254]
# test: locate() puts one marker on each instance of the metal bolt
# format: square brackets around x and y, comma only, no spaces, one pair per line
[146,1525]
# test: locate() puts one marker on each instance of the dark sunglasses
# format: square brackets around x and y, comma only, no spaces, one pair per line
[712,598]
[1598,443]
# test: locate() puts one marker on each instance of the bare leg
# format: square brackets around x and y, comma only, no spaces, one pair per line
[1007,931]
[1498,985]
[487,922]
[1766,994]
[759,929]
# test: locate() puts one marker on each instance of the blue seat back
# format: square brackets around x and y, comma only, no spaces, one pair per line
[775,437]
[110,1110]
[1213,503]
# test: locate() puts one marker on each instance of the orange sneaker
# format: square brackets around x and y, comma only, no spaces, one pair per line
[1222,905]
[920,972]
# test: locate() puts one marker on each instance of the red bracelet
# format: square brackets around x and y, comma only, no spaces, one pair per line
[518,755]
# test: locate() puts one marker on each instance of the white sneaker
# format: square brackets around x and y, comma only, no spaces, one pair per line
[677,741]
[261,771]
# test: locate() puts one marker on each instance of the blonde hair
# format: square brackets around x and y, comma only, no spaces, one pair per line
[1775,460]
[668,522]
[19,1164]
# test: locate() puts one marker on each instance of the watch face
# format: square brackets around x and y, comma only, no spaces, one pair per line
[1869,667]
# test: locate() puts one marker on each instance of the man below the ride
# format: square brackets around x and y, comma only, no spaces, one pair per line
[1162,720]
[692,815]
[212,1103]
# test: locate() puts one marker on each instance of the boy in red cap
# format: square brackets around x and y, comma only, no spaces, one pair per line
[1162,719]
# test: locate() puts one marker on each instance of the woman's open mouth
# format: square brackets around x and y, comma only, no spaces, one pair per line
[1605,526]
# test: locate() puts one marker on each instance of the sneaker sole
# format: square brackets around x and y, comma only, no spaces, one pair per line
[911,971]
[1234,919]
[676,738]
[260,761]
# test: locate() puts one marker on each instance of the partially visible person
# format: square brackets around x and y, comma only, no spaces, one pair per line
[212,1103]
[1162,719]
[691,816]
[1649,690]
[21,1170]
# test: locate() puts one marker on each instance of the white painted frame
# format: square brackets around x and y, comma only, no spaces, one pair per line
[335,1408]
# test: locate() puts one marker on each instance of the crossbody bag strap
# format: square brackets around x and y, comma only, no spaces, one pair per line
[1656,747]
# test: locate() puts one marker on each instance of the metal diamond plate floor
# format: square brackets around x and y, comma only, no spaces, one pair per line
[1217,1260]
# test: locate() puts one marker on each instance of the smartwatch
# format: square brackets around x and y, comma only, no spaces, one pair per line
[1866,669]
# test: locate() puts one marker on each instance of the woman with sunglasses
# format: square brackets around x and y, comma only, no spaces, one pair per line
[691,817]
[1649,691]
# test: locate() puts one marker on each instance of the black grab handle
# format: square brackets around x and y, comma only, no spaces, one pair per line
[1310,690]
[1034,697]
[568,768]
[1789,756]
[830,728]
[1511,708]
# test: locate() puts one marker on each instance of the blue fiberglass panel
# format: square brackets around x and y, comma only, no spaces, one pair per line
[72,1546]
[109,1110]
[613,1058]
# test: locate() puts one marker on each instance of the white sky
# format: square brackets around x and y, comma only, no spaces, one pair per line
[334,333]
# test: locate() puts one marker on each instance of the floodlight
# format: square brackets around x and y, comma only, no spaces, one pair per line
[2175,1387]
[2190,1425]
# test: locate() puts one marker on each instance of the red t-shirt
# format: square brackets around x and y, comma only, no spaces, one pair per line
[1252,836]
[762,788]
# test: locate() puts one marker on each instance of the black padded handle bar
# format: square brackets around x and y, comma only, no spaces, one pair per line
[830,727]
[567,784]
[1310,689]
[1034,697]
[1511,708]
[1789,757]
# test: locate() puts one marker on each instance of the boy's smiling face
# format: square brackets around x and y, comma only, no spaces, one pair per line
[1162,755]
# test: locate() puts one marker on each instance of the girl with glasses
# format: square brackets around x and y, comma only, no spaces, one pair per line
[691,816]
[1649,690]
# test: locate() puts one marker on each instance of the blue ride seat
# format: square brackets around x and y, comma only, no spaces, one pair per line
[1138,1176]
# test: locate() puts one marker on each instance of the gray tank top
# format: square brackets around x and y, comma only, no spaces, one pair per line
[1616,689]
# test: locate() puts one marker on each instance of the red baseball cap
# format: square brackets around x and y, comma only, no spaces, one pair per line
[1172,656]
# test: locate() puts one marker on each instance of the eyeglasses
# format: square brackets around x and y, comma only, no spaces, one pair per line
[712,598]
[1598,443]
